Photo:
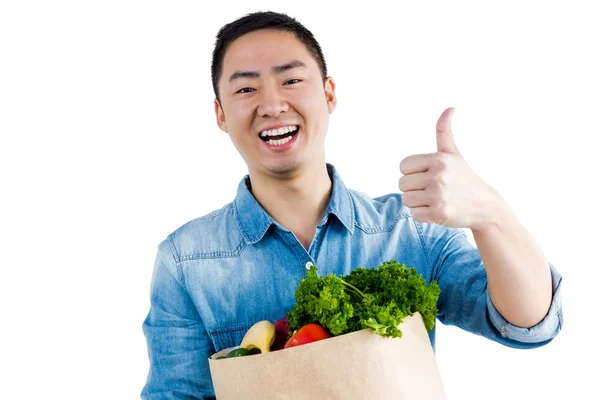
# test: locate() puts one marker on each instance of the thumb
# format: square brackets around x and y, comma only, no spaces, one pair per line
[445,138]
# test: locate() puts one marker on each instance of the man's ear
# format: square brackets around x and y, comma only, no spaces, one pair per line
[220,116]
[330,94]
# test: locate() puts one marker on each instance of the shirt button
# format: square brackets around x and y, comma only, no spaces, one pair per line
[308,265]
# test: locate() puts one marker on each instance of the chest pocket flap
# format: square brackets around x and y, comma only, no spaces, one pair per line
[224,338]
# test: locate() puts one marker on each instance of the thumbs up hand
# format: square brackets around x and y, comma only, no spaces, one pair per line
[441,188]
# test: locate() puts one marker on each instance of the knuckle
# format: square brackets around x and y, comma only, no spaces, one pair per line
[424,215]
[443,201]
[436,193]
[439,181]
[440,161]
[405,199]
[418,214]
[439,213]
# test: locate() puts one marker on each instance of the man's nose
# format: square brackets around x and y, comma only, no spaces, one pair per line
[272,103]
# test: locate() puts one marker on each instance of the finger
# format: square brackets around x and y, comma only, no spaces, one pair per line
[416,181]
[444,136]
[415,198]
[415,163]
[421,214]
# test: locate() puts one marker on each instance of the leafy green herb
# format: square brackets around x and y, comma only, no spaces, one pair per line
[378,298]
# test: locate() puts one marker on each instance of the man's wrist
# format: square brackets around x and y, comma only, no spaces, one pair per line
[494,213]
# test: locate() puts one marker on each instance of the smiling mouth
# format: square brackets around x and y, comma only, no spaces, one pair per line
[278,140]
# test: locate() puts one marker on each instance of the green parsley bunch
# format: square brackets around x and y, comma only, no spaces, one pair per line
[378,298]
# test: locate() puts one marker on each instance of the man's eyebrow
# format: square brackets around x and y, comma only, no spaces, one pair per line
[275,70]
[285,67]
[243,74]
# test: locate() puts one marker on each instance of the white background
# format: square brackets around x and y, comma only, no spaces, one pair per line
[109,143]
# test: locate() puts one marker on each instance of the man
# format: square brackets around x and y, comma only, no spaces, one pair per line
[217,275]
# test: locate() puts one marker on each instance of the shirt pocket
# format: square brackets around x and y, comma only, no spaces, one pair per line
[224,338]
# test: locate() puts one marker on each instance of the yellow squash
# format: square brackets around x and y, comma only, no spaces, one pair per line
[260,336]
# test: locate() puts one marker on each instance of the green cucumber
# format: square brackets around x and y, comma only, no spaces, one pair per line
[240,352]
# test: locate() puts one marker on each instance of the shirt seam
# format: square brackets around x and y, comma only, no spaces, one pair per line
[352,205]
[215,254]
[245,234]
[177,259]
[423,246]
[239,222]
[214,214]
[299,255]
[174,253]
[230,329]
[387,228]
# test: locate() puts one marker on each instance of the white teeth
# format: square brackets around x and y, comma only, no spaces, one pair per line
[279,142]
[280,131]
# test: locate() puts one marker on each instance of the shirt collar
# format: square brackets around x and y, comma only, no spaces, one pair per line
[254,221]
[340,204]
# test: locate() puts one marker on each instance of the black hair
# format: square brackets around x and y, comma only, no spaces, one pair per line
[262,20]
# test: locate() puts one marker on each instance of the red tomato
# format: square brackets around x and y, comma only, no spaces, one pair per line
[307,334]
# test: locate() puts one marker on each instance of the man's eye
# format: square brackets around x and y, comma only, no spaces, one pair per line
[292,81]
[245,90]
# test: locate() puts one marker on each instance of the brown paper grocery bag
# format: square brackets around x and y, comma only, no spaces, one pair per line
[357,365]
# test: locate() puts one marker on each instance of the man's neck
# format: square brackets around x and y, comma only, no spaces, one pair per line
[297,203]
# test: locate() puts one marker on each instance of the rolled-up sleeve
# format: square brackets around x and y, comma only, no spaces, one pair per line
[464,300]
[545,330]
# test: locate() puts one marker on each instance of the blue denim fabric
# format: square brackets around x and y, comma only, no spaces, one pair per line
[217,275]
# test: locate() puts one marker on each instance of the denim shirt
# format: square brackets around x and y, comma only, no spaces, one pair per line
[217,275]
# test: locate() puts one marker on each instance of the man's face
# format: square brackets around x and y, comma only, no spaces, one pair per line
[273,102]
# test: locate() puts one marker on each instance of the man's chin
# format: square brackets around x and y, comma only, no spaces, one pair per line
[283,169]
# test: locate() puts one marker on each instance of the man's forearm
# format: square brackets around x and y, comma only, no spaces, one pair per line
[519,280]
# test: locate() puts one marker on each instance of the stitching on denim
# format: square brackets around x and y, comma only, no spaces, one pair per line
[215,213]
[263,229]
[231,329]
[301,256]
[352,205]
[375,229]
[237,327]
[237,218]
[422,240]
[181,276]
[172,248]
[177,258]
[215,254]
[372,229]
